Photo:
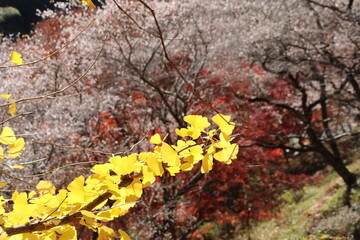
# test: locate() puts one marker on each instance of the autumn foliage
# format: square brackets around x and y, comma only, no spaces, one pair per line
[105,80]
[116,186]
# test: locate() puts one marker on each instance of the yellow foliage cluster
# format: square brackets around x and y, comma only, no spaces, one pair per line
[16,145]
[115,186]
[7,136]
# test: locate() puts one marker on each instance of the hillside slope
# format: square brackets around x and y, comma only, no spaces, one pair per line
[314,212]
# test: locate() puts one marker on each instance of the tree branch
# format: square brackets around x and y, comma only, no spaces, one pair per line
[49,224]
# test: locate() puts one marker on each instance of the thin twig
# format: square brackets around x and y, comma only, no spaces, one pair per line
[17,179]
[60,168]
[64,88]
[53,53]
[162,40]
[16,116]
[82,149]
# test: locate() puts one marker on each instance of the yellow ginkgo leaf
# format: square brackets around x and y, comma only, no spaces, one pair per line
[6,96]
[224,123]
[148,176]
[76,188]
[16,57]
[155,139]
[152,162]
[197,121]
[17,166]
[7,136]
[207,163]
[211,150]
[187,166]
[88,214]
[173,170]
[183,132]
[223,140]
[169,155]
[3,184]
[1,154]
[56,222]
[21,208]
[105,216]
[124,235]
[197,126]
[125,165]
[89,3]
[4,236]
[66,232]
[106,233]
[54,202]
[135,189]
[31,194]
[16,148]
[45,187]
[226,154]
[12,108]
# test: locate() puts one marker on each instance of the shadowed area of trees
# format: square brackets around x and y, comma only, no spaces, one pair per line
[18,16]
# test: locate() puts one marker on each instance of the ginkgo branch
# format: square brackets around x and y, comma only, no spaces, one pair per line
[48,223]
[54,52]
[51,94]
[16,116]
[16,179]
[83,149]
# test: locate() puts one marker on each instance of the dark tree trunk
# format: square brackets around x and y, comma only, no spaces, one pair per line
[336,163]
[355,85]
[350,4]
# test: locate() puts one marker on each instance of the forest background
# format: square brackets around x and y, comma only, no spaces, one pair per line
[286,71]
